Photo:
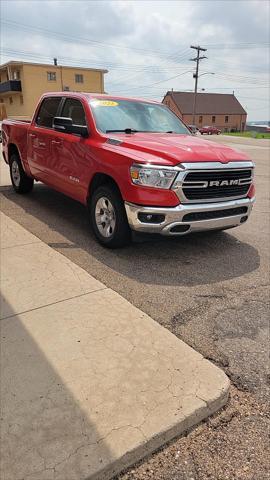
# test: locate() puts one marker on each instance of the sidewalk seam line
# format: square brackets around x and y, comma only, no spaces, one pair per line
[21,245]
[53,303]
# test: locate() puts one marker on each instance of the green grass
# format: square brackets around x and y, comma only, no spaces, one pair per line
[249,134]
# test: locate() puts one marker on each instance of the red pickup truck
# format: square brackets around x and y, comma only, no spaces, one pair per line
[132,162]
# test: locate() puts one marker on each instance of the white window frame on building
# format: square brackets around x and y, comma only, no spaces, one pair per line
[78,78]
[51,76]
[213,118]
[226,118]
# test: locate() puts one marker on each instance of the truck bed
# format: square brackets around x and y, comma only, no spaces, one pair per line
[14,132]
[18,120]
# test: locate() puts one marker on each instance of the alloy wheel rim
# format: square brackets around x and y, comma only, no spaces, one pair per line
[105,217]
[15,172]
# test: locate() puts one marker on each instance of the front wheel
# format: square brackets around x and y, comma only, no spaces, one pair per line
[20,181]
[108,217]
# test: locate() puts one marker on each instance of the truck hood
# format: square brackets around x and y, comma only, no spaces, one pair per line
[170,149]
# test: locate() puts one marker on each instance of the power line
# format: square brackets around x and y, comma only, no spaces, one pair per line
[238,46]
[138,67]
[83,61]
[161,81]
[240,77]
[238,87]
[10,23]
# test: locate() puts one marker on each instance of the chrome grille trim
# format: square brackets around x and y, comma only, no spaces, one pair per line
[202,166]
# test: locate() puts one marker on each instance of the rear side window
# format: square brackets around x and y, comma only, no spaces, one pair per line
[73,109]
[47,112]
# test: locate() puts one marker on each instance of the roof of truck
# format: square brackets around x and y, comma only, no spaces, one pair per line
[93,96]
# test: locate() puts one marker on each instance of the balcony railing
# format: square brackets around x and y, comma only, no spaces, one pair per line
[11,86]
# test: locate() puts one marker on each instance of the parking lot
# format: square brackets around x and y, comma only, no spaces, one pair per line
[211,290]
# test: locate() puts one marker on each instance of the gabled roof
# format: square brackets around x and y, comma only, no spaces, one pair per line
[207,103]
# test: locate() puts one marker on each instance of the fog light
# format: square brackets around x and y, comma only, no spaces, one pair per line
[244,219]
[151,217]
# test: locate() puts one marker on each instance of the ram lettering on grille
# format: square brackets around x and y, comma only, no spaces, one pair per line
[217,183]
[210,184]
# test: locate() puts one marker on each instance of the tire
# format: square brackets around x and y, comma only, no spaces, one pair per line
[106,204]
[20,181]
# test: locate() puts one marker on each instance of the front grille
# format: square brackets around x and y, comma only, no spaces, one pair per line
[201,185]
[229,212]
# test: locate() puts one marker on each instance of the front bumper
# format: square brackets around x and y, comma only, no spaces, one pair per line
[175,220]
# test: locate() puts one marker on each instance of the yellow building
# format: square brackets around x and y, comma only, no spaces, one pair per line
[22,83]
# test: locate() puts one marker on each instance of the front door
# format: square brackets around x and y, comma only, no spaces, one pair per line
[70,160]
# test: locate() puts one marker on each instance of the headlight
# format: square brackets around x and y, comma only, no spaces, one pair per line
[152,176]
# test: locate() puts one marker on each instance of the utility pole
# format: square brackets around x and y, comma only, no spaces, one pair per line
[196,76]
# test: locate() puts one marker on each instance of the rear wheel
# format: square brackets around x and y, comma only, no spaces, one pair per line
[108,217]
[20,181]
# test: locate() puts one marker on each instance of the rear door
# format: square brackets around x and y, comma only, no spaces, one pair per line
[40,136]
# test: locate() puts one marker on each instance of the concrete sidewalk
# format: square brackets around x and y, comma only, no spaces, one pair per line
[89,383]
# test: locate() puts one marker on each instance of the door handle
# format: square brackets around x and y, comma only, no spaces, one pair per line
[57,142]
[32,135]
[41,144]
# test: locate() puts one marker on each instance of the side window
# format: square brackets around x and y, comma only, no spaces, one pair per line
[47,111]
[73,109]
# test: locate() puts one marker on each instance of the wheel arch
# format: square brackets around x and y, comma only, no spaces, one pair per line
[12,148]
[100,179]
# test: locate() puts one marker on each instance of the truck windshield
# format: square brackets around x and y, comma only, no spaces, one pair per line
[130,116]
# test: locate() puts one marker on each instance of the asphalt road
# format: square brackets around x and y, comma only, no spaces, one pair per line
[211,290]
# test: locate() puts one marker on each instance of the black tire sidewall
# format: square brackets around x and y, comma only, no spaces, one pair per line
[26,183]
[13,159]
[122,234]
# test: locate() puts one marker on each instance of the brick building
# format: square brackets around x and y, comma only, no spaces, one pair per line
[218,109]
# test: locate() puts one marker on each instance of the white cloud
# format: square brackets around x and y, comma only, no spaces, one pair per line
[168,27]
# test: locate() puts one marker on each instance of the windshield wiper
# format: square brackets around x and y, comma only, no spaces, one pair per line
[125,130]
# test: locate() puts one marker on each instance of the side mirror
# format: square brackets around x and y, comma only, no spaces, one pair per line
[65,125]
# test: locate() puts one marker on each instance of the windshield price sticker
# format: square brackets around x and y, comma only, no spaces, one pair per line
[104,103]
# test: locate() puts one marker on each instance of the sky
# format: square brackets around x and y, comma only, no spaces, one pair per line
[145,45]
